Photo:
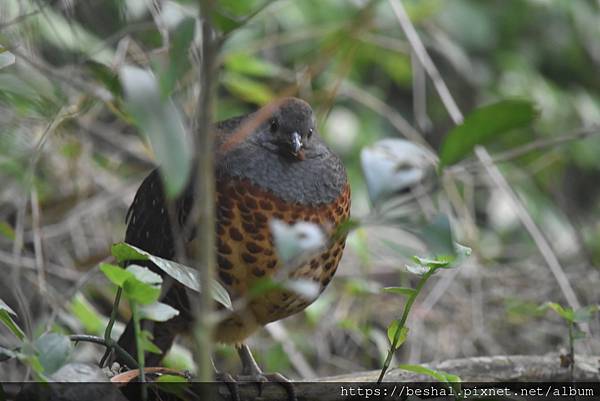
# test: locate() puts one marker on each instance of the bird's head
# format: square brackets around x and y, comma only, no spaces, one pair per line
[288,128]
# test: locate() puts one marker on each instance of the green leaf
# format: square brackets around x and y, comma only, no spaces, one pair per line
[7,230]
[116,274]
[147,343]
[418,270]
[462,251]
[225,23]
[391,332]
[432,263]
[144,274]
[181,273]
[439,375]
[87,315]
[4,306]
[125,252]
[483,125]
[160,120]
[171,379]
[566,313]
[53,350]
[405,291]
[5,312]
[158,312]
[103,74]
[248,64]
[178,55]
[141,292]
[248,89]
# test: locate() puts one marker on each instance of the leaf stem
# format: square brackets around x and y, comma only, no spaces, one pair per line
[110,344]
[406,311]
[131,362]
[571,349]
[139,346]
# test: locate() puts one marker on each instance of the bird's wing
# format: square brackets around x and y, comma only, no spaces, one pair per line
[148,222]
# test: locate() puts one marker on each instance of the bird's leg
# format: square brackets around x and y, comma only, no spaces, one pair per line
[252,372]
[249,366]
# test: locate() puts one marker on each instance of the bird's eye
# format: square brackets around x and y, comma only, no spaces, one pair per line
[310,132]
[274,126]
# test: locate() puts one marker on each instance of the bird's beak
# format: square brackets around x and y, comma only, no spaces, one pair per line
[296,146]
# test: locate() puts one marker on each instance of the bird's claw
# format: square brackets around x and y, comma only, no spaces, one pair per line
[260,379]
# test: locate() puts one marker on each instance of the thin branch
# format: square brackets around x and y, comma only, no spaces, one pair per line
[203,210]
[69,80]
[37,239]
[380,107]
[423,57]
[18,19]
[99,340]
[537,145]
[535,232]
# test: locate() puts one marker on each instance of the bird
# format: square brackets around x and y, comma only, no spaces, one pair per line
[269,164]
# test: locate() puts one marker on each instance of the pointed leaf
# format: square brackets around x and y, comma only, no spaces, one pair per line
[116,274]
[11,325]
[158,312]
[147,343]
[484,125]
[144,274]
[405,291]
[178,55]
[140,292]
[125,252]
[181,273]
[418,270]
[162,122]
[4,306]
[566,313]
[391,332]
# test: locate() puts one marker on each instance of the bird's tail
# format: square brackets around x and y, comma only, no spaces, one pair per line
[163,333]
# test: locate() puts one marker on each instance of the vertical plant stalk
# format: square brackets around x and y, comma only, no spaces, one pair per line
[405,312]
[111,322]
[571,350]
[139,346]
[204,216]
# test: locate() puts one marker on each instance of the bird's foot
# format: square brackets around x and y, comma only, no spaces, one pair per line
[260,379]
